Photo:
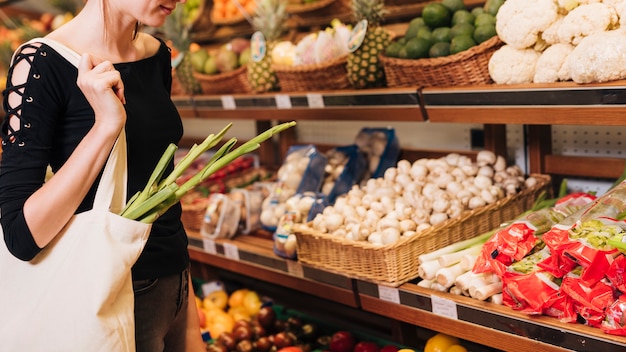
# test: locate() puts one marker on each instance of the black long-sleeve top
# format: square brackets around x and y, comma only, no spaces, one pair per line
[55,116]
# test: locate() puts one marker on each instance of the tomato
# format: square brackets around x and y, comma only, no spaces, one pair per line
[290,349]
[342,341]
[366,346]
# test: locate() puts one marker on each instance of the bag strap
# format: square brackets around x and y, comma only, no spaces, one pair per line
[111,191]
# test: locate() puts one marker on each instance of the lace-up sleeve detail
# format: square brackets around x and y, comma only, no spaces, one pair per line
[32,102]
[16,95]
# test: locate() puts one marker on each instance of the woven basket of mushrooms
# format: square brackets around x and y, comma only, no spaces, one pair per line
[449,198]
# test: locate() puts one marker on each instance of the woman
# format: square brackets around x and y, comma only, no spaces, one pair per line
[69,118]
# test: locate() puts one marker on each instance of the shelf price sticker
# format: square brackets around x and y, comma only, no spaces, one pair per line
[228,102]
[209,246]
[295,268]
[444,307]
[231,251]
[283,101]
[315,100]
[389,294]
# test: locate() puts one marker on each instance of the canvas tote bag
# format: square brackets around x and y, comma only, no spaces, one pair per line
[77,294]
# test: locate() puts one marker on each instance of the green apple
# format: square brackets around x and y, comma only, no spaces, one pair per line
[198,59]
[210,65]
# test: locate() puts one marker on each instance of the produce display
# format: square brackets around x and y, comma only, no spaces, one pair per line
[270,21]
[226,58]
[412,197]
[565,40]
[314,48]
[229,10]
[364,67]
[243,321]
[446,28]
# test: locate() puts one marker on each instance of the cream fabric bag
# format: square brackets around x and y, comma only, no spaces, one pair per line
[77,294]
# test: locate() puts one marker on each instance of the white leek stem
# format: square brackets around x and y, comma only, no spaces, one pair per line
[453,258]
[484,292]
[447,276]
[477,283]
[455,247]
[496,299]
[428,270]
[468,261]
[456,290]
[425,283]
[463,281]
[437,287]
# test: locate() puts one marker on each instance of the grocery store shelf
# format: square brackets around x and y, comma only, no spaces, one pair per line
[563,103]
[254,257]
[371,104]
[482,322]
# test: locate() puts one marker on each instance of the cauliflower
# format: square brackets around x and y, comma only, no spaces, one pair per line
[519,22]
[600,57]
[551,34]
[551,65]
[586,20]
[509,65]
[620,8]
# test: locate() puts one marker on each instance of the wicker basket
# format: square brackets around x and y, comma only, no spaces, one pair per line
[300,6]
[469,67]
[327,76]
[225,83]
[397,263]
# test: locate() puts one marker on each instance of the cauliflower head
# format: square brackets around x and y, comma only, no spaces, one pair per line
[586,20]
[600,57]
[519,22]
[551,34]
[551,65]
[509,65]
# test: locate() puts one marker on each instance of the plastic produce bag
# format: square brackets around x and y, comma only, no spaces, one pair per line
[345,168]
[382,148]
[251,201]
[302,171]
[299,208]
[221,219]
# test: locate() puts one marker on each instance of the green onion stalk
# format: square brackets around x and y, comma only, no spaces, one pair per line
[160,194]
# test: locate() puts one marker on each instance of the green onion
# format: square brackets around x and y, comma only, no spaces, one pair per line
[159,195]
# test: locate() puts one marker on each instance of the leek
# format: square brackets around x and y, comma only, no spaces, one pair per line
[159,194]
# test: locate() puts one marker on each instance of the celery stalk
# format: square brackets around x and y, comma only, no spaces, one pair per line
[155,177]
[152,202]
[193,154]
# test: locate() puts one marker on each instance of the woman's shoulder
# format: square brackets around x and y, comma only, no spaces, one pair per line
[151,45]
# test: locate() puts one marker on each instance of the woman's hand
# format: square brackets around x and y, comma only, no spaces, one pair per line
[102,85]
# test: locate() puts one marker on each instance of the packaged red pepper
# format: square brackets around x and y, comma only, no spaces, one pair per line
[590,301]
[615,317]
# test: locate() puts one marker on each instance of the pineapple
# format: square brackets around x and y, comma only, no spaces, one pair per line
[363,65]
[269,19]
[176,29]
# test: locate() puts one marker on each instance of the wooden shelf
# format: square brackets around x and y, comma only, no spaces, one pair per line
[481,322]
[254,257]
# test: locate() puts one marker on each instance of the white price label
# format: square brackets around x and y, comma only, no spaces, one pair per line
[315,100]
[231,251]
[389,294]
[209,246]
[295,268]
[283,101]
[228,102]
[444,307]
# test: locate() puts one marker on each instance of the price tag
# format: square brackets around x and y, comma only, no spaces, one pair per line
[389,294]
[315,100]
[228,102]
[283,101]
[295,268]
[209,246]
[231,251]
[444,307]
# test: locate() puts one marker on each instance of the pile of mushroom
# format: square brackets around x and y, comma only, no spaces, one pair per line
[412,197]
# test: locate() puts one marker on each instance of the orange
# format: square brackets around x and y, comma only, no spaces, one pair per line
[456,348]
[252,302]
[220,322]
[217,299]
[236,298]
